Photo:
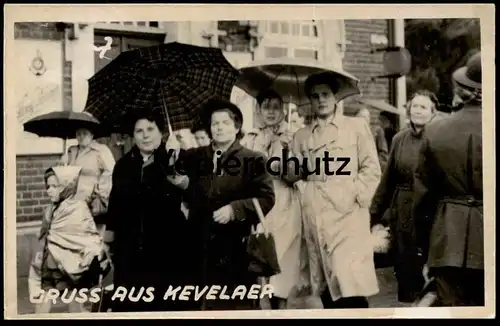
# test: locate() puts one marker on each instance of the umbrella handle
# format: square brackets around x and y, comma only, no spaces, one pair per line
[169,126]
[260,214]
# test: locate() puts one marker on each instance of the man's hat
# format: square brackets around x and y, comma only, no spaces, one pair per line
[216,105]
[469,76]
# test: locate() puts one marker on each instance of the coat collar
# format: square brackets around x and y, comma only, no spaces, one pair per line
[235,147]
[335,120]
[136,155]
[93,146]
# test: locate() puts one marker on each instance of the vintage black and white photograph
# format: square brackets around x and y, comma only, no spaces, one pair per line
[247,165]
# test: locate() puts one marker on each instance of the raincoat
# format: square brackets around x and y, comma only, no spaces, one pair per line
[284,220]
[69,239]
[97,165]
[335,207]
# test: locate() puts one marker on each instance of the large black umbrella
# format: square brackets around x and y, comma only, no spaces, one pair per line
[63,124]
[287,76]
[175,79]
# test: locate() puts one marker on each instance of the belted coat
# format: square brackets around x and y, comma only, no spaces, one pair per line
[449,191]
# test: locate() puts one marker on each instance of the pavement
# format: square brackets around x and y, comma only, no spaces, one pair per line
[387,297]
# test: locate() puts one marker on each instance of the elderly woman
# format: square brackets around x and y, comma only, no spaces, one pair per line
[223,179]
[335,205]
[393,199]
[284,220]
[97,163]
[72,247]
[146,230]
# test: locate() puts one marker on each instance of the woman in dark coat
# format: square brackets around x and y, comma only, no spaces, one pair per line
[220,203]
[149,234]
[392,203]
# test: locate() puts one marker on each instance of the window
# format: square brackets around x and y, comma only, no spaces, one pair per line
[236,37]
[306,53]
[306,30]
[295,29]
[276,52]
[285,28]
[273,27]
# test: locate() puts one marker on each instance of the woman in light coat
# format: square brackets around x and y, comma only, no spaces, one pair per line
[335,207]
[97,163]
[284,220]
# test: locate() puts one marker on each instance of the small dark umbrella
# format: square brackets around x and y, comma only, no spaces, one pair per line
[63,124]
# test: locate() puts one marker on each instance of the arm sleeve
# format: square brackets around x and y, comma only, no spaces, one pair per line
[368,166]
[385,190]
[293,162]
[260,186]
[382,149]
[424,203]
[114,201]
[107,164]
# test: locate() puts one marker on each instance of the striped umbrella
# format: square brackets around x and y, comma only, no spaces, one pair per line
[175,79]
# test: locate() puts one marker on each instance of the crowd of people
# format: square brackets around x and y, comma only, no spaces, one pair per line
[159,227]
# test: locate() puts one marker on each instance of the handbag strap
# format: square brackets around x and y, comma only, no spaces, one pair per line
[258,209]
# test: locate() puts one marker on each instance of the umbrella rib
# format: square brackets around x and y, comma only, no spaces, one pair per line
[277,75]
[297,81]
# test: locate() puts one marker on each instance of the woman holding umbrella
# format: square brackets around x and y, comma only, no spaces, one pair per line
[221,192]
[146,230]
[285,218]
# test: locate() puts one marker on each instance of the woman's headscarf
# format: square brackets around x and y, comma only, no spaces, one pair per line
[67,176]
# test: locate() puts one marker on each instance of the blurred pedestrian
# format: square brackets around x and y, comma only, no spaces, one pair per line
[378,135]
[391,203]
[448,200]
[336,223]
[284,220]
[201,135]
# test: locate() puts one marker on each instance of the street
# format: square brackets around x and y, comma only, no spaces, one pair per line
[385,298]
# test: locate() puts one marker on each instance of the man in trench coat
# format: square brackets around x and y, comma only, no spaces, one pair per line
[448,196]
[335,206]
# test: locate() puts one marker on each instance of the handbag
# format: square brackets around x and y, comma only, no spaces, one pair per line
[97,205]
[261,249]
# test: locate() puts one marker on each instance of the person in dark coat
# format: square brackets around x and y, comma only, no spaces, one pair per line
[391,204]
[221,211]
[147,233]
[448,199]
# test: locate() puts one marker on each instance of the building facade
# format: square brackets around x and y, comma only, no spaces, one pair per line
[55,63]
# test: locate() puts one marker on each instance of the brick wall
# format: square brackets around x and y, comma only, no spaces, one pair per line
[361,63]
[31,196]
